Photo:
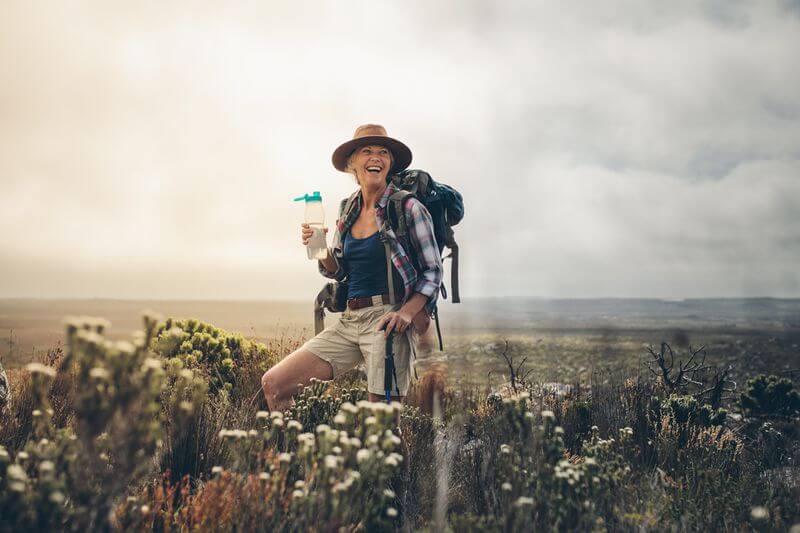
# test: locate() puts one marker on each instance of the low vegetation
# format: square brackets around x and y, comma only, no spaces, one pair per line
[168,432]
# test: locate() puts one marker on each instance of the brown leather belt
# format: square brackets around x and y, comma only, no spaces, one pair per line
[367,301]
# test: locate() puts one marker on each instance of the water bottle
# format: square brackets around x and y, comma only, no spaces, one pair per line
[317,246]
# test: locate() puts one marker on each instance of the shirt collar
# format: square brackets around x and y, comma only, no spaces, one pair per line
[384,199]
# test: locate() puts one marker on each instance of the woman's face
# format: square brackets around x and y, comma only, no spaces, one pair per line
[371,164]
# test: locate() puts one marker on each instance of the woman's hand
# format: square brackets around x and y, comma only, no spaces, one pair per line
[394,321]
[307,233]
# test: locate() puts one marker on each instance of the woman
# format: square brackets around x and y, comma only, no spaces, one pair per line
[358,254]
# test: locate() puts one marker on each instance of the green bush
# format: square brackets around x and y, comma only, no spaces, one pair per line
[687,410]
[74,476]
[770,397]
[227,361]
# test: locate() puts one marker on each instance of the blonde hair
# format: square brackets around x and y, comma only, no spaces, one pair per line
[348,167]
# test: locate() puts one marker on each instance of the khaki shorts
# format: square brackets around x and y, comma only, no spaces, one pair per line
[354,339]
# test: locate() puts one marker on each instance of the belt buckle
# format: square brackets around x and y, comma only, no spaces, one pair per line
[377,299]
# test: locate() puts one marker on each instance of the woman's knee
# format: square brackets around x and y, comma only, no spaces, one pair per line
[271,387]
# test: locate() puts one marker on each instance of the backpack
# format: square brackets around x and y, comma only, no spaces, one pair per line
[446,207]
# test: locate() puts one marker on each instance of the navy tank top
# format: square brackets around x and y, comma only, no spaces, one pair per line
[365,265]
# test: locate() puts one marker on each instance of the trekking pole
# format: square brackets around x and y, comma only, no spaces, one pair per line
[388,367]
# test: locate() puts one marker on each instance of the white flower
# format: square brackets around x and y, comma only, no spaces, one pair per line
[759,513]
[558,430]
[323,428]
[285,457]
[506,486]
[99,373]
[145,509]
[590,461]
[125,347]
[389,493]
[39,368]
[337,450]
[262,415]
[331,461]
[151,363]
[56,497]
[263,476]
[297,494]
[340,419]
[36,413]
[276,414]
[216,470]
[294,424]
[306,438]
[391,461]
[547,414]
[370,420]
[46,466]
[391,512]
[505,448]
[523,501]
[16,472]
[23,455]
[299,484]
[363,454]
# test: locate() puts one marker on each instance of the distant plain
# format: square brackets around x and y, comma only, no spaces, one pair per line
[563,340]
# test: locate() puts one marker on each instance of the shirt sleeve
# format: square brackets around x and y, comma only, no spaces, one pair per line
[423,240]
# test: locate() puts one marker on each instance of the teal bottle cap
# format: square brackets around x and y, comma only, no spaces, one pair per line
[314,197]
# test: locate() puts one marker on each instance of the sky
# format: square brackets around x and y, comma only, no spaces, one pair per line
[604,149]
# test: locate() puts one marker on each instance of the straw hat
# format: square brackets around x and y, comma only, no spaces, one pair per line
[372,134]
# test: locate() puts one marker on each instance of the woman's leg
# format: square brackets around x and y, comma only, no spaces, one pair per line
[281,381]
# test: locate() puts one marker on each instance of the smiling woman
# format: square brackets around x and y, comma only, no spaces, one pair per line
[392,283]
[373,168]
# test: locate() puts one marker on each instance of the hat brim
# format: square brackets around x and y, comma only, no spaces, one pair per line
[400,152]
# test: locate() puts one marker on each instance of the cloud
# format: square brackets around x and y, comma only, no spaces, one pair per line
[624,148]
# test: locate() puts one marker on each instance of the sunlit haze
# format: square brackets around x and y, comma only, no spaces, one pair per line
[153,149]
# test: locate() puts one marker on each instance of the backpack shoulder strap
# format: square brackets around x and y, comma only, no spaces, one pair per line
[396,213]
[347,204]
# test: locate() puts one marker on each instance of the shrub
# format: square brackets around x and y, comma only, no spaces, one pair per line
[227,361]
[770,397]
[76,475]
[283,478]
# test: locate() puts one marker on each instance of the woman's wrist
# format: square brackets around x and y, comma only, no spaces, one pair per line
[414,304]
[329,263]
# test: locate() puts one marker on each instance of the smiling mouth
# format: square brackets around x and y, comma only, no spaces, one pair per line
[374,169]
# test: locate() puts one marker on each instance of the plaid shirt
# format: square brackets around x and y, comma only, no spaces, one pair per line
[421,237]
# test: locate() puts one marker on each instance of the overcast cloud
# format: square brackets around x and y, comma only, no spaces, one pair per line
[622,148]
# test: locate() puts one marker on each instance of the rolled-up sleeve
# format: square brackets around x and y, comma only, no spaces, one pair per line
[338,275]
[423,240]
